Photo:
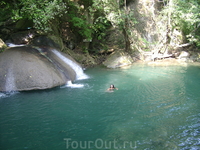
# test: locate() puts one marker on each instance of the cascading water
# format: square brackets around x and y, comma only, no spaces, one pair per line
[79,71]
[10,81]
[2,95]
[70,84]
[14,45]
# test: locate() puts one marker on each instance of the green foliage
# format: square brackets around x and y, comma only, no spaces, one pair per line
[82,26]
[90,19]
[2,47]
[185,16]
[5,10]
[114,13]
[92,26]
[77,22]
[42,12]
[100,26]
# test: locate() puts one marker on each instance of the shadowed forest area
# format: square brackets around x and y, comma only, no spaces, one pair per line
[98,27]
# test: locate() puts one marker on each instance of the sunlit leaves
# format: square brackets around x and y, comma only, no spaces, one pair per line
[185,16]
[114,13]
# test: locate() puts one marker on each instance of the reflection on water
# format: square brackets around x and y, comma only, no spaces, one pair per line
[155,108]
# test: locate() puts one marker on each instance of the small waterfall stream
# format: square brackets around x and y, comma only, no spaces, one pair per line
[10,81]
[10,85]
[79,71]
[67,67]
[14,45]
[72,85]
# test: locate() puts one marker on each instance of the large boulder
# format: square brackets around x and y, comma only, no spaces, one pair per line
[184,55]
[118,59]
[194,56]
[28,68]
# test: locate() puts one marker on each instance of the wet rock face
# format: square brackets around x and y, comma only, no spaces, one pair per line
[25,68]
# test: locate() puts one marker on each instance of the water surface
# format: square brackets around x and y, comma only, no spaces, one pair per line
[155,108]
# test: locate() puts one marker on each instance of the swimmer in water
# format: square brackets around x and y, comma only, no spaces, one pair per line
[112,87]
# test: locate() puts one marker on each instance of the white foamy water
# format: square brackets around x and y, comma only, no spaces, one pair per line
[8,94]
[79,71]
[70,84]
[2,95]
[10,81]
[14,45]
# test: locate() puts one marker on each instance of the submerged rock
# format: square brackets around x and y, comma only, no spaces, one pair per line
[27,68]
[118,59]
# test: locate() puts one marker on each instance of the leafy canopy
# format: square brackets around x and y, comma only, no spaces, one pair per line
[185,16]
[42,12]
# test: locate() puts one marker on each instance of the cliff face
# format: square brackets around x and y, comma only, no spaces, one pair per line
[145,32]
[152,31]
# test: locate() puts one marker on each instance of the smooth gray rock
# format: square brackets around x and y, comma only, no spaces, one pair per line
[25,68]
[118,59]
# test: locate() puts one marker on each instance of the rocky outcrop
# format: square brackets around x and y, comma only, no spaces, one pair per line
[22,37]
[195,56]
[118,59]
[2,45]
[184,55]
[189,56]
[28,68]
[48,41]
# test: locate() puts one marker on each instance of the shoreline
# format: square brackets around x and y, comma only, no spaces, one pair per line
[168,62]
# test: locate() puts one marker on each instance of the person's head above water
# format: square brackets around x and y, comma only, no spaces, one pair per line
[112,86]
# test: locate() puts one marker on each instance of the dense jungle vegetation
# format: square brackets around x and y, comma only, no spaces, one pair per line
[144,24]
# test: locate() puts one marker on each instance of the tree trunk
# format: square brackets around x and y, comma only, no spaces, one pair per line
[127,41]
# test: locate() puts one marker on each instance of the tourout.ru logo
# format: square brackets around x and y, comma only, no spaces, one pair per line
[99,144]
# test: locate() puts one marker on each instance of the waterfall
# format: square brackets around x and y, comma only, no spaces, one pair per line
[10,81]
[79,71]
[14,45]
[70,84]
[2,95]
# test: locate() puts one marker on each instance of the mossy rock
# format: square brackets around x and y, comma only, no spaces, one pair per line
[118,59]
[84,59]
[2,46]
[58,41]
[24,24]
[48,41]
